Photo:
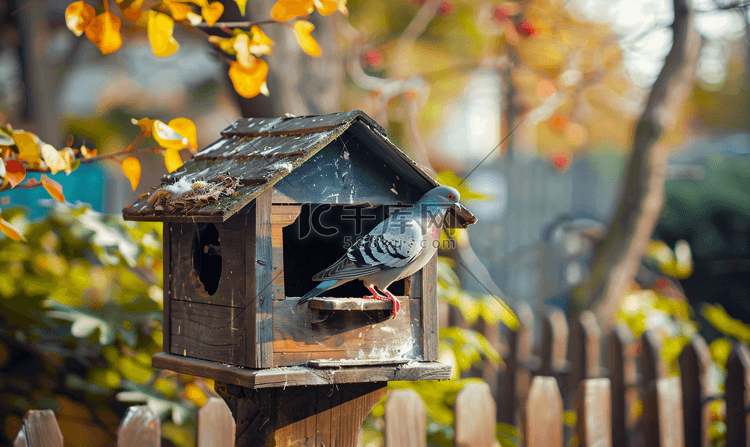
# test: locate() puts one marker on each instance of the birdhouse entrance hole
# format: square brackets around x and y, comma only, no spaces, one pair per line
[319,237]
[206,259]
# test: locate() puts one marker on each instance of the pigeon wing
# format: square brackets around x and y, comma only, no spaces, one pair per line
[391,244]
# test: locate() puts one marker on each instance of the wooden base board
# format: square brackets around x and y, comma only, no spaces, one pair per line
[300,375]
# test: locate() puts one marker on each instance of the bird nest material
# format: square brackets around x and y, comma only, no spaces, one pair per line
[190,196]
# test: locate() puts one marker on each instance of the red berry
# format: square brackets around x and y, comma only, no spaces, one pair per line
[446,8]
[501,15]
[560,160]
[373,58]
[526,28]
[662,283]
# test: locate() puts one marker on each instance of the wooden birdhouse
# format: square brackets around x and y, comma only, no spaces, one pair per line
[249,220]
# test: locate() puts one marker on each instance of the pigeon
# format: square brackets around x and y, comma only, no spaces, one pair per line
[395,249]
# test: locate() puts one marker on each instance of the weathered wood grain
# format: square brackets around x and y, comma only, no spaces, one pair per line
[216,426]
[475,416]
[669,400]
[301,416]
[281,216]
[695,364]
[542,414]
[280,377]
[232,283]
[208,332]
[343,335]
[39,429]
[592,405]
[737,396]
[350,304]
[139,428]
[429,317]
[168,228]
[259,255]
[405,421]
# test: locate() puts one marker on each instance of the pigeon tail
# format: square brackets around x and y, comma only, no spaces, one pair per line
[322,287]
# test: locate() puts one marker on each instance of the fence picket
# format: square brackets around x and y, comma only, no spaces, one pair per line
[405,422]
[542,415]
[516,380]
[39,429]
[216,426]
[737,396]
[139,428]
[652,368]
[695,363]
[593,401]
[475,416]
[622,373]
[669,409]
[554,343]
[583,351]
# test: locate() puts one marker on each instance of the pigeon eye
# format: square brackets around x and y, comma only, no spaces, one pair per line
[451,196]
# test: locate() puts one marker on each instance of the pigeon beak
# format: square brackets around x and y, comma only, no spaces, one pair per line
[465,217]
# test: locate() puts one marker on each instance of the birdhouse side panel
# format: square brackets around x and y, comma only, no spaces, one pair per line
[299,336]
[424,285]
[205,325]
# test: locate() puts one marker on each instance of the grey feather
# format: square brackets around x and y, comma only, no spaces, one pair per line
[397,247]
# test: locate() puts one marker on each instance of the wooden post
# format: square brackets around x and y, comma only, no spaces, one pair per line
[302,416]
[622,372]
[515,380]
[653,369]
[405,422]
[39,429]
[737,396]
[475,416]
[216,426]
[695,363]
[593,402]
[542,414]
[583,352]
[554,344]
[140,427]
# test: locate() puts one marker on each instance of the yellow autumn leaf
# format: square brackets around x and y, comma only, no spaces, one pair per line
[78,15]
[241,5]
[159,29]
[146,125]
[212,12]
[172,159]
[284,10]
[194,18]
[56,160]
[225,44]
[302,30]
[178,9]
[132,169]
[242,49]
[186,128]
[53,188]
[28,149]
[167,137]
[326,7]
[88,153]
[248,82]
[11,231]
[260,44]
[104,31]
[14,172]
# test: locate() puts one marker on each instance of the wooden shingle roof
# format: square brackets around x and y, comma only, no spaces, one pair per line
[253,155]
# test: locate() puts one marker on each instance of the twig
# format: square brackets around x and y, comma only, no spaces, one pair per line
[246,24]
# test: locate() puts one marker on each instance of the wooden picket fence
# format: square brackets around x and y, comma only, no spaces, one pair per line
[531,393]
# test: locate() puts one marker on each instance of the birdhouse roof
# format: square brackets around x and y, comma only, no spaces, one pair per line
[255,154]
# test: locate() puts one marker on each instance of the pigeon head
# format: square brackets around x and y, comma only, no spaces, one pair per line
[441,195]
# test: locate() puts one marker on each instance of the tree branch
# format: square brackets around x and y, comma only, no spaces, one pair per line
[640,203]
